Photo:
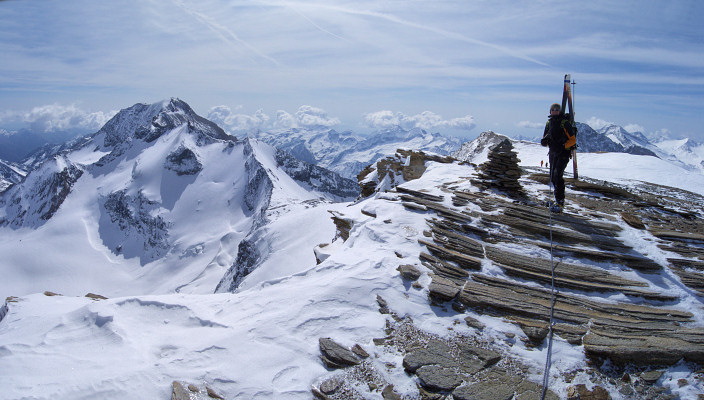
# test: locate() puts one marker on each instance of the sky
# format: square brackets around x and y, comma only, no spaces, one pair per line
[455,67]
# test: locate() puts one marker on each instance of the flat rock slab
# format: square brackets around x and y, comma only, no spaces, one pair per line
[436,352]
[438,379]
[624,332]
[493,390]
[335,355]
[569,275]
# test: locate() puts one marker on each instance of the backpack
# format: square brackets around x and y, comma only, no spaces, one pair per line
[571,141]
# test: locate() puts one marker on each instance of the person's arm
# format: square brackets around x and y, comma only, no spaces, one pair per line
[545,141]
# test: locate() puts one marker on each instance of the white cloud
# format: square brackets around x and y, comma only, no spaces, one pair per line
[427,120]
[284,120]
[313,117]
[530,125]
[57,117]
[307,117]
[382,119]
[223,116]
[597,123]
[633,128]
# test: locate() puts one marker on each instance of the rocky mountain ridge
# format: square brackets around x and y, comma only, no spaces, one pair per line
[489,255]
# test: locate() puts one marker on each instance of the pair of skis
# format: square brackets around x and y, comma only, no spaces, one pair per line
[567,98]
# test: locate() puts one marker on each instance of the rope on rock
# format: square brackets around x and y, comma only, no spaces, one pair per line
[548,361]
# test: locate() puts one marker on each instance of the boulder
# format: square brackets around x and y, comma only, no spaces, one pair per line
[335,355]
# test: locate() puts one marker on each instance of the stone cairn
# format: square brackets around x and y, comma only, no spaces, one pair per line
[501,171]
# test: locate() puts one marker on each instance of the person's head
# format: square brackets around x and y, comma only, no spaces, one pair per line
[555,109]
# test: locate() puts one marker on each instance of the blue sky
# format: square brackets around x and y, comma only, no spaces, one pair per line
[459,67]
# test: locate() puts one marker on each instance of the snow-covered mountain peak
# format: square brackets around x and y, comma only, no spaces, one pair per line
[477,150]
[149,121]
[161,188]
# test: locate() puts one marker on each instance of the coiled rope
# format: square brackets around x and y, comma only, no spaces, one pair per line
[548,361]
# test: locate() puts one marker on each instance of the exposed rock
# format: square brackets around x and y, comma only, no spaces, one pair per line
[437,378]
[528,390]
[316,177]
[486,356]
[178,392]
[569,275]
[318,394]
[335,355]
[580,392]
[183,161]
[535,334]
[651,377]
[344,225]
[501,171]
[389,394]
[359,351]
[330,386]
[415,166]
[409,272]
[48,293]
[96,296]
[212,394]
[494,390]
[436,352]
[632,220]
[383,305]
[474,323]
[139,219]
[41,194]
[443,289]
[389,172]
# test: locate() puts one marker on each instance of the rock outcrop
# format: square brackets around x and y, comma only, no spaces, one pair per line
[627,333]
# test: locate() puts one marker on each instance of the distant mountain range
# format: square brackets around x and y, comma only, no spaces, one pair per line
[347,153]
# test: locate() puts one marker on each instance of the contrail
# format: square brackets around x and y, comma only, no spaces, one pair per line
[316,25]
[226,34]
[400,21]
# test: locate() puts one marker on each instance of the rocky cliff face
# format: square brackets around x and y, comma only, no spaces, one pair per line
[142,231]
[10,174]
[317,178]
[37,199]
[589,140]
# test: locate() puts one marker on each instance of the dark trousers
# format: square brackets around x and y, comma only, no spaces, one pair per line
[558,163]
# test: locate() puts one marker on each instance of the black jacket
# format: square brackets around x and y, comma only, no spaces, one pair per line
[554,135]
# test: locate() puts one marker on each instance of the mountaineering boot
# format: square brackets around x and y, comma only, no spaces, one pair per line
[557,207]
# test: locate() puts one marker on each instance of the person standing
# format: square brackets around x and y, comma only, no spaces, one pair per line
[555,136]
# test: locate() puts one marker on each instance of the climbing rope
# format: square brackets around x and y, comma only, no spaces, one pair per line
[548,361]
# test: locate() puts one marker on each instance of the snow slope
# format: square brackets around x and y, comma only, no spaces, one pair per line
[622,168]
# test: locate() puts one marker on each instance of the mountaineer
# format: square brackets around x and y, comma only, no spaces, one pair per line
[557,131]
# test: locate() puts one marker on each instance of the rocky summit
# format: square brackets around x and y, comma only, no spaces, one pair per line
[492,253]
